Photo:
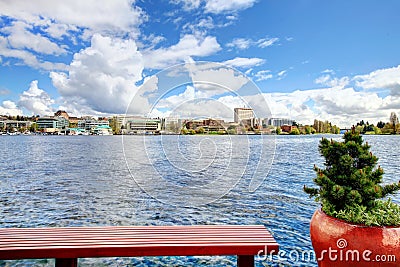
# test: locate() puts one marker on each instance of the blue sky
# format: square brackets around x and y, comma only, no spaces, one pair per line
[310,59]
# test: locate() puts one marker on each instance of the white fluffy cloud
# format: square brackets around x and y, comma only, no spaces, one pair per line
[36,100]
[188,46]
[10,108]
[27,58]
[341,105]
[99,16]
[40,28]
[381,79]
[207,81]
[213,79]
[102,77]
[21,37]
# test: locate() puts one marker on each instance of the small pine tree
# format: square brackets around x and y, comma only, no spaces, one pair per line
[349,186]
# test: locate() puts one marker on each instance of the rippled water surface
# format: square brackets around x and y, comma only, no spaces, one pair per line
[87,180]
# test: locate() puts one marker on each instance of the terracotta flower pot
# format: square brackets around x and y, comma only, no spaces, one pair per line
[338,243]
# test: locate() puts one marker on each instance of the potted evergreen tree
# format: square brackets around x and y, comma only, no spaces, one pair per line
[354,226]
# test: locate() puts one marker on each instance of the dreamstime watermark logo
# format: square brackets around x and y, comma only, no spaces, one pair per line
[339,254]
[352,255]
[187,170]
[341,243]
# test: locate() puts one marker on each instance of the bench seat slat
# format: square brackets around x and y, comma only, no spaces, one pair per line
[195,228]
[132,241]
[131,244]
[121,235]
[104,237]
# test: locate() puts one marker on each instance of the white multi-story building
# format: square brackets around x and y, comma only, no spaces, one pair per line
[241,114]
[277,122]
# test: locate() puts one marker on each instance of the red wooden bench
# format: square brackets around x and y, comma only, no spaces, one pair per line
[68,244]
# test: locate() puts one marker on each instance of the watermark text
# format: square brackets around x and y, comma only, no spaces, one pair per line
[338,254]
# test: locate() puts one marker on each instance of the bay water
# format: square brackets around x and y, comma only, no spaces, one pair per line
[54,181]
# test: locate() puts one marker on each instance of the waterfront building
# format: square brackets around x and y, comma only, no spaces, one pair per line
[52,123]
[193,124]
[73,121]
[287,128]
[171,125]
[143,126]
[89,123]
[213,125]
[241,114]
[13,124]
[208,125]
[120,122]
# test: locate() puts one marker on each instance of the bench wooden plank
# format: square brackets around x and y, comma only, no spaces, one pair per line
[70,243]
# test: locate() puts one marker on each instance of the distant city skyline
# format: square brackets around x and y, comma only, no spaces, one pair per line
[245,122]
[335,61]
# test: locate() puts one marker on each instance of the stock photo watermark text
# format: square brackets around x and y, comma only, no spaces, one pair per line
[339,254]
